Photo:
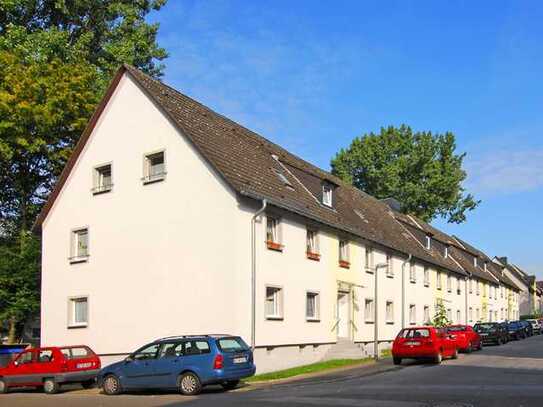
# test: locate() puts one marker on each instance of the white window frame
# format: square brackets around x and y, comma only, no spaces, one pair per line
[368,259]
[439,282]
[148,176]
[428,242]
[478,287]
[449,283]
[446,254]
[412,314]
[327,192]
[412,272]
[75,255]
[426,314]
[474,261]
[470,314]
[426,276]
[458,286]
[470,286]
[275,232]
[449,314]
[317,298]
[390,266]
[312,241]
[343,247]
[369,310]
[389,312]
[72,323]
[98,184]
[458,316]
[278,295]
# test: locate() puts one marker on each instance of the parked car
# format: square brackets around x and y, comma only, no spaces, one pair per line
[527,327]
[51,367]
[516,330]
[424,342]
[536,326]
[186,363]
[467,339]
[492,332]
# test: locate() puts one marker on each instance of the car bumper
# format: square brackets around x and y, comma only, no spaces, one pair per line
[415,355]
[225,375]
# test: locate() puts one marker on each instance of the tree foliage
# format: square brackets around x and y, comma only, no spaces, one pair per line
[420,169]
[440,319]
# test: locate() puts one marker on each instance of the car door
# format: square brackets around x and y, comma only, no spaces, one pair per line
[23,369]
[168,364]
[448,344]
[138,369]
[46,364]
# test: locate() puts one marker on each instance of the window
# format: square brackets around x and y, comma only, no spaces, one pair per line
[458,316]
[368,260]
[426,277]
[26,357]
[273,240]
[171,350]
[390,267]
[147,352]
[312,307]
[470,314]
[426,314]
[78,312]
[449,283]
[102,181]
[449,314]
[344,254]
[45,356]
[412,314]
[274,303]
[389,312]
[195,348]
[327,195]
[478,288]
[446,252]
[428,242]
[470,286]
[475,262]
[438,282]
[412,273]
[79,245]
[458,286]
[312,245]
[477,314]
[154,167]
[485,266]
[414,333]
[369,311]
[233,344]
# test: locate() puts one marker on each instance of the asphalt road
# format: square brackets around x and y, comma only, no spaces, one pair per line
[509,375]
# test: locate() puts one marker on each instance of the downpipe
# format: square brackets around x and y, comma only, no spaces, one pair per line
[376,311]
[253,272]
[403,288]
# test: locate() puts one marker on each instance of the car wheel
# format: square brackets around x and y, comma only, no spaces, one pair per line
[230,384]
[89,384]
[455,354]
[50,386]
[397,361]
[189,384]
[438,359]
[3,387]
[112,385]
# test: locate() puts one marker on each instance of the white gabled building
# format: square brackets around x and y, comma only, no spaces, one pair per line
[171,219]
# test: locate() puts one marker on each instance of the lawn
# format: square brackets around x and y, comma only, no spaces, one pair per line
[315,367]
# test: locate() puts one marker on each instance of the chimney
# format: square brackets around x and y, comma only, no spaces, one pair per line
[502,260]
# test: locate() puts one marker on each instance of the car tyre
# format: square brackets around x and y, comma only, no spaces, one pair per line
[190,384]
[3,386]
[50,386]
[455,354]
[438,358]
[397,361]
[112,385]
[230,384]
[88,384]
[469,349]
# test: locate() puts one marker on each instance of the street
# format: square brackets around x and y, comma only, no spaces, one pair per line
[509,375]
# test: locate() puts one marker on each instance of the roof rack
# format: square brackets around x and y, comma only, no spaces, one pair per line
[191,336]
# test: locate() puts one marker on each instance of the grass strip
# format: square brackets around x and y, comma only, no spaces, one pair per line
[314,367]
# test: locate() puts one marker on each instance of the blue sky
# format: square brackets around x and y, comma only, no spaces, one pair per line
[311,76]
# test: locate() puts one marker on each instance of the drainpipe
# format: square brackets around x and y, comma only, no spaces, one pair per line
[403,288]
[466,289]
[253,272]
[376,312]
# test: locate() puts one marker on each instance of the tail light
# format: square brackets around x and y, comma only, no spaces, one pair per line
[218,363]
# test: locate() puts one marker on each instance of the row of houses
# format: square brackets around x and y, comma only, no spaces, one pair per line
[172,219]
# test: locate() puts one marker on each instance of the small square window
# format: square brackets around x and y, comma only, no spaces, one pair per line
[327,195]
[103,181]
[312,306]
[274,303]
[154,167]
[78,312]
[79,250]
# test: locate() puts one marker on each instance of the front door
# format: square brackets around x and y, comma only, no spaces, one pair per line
[343,315]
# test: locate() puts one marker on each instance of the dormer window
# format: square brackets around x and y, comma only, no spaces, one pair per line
[475,262]
[428,242]
[485,266]
[446,253]
[327,195]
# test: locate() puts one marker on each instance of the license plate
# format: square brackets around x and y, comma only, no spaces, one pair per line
[83,365]
[412,343]
[242,359]
[484,334]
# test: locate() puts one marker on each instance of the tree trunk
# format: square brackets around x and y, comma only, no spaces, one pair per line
[12,333]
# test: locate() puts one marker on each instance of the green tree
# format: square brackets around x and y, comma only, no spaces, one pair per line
[420,169]
[440,319]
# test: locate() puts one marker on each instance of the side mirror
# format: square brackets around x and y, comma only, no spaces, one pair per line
[128,359]
[16,363]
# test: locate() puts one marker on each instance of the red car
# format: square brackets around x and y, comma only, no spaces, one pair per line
[466,338]
[425,342]
[49,368]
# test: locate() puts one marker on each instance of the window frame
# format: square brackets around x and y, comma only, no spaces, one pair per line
[149,178]
[369,317]
[426,276]
[312,253]
[369,259]
[327,192]
[280,303]
[412,314]
[276,243]
[317,298]
[74,256]
[344,253]
[389,319]
[412,272]
[439,282]
[426,314]
[72,323]
[97,186]
[390,266]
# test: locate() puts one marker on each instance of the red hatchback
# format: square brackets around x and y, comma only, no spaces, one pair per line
[466,338]
[424,342]
[49,368]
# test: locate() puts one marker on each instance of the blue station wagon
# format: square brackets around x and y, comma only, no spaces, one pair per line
[186,363]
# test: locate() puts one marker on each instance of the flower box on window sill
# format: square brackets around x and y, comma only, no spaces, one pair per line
[344,264]
[313,256]
[278,247]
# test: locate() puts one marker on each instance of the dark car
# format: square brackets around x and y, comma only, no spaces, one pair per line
[516,330]
[492,332]
[527,328]
[186,363]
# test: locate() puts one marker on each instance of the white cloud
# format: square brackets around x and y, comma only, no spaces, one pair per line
[506,171]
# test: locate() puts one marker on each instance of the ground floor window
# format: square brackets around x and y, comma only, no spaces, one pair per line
[78,312]
[274,302]
[426,314]
[368,310]
[312,306]
[412,314]
[389,312]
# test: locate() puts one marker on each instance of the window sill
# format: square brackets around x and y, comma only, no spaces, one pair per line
[344,264]
[152,180]
[390,322]
[312,320]
[413,281]
[313,256]
[427,284]
[369,270]
[100,191]
[278,247]
[274,318]
[80,259]
[390,275]
[412,323]
[81,326]
[368,322]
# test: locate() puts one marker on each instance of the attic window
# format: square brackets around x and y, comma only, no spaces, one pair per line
[446,254]
[327,195]
[485,265]
[428,242]
[283,179]
[475,262]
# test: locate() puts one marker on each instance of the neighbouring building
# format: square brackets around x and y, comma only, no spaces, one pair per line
[172,219]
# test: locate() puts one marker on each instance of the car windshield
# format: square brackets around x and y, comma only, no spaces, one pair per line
[415,333]
[456,328]
[485,327]
[233,344]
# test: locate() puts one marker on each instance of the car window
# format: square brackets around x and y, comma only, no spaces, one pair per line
[415,333]
[196,347]
[147,352]
[78,352]
[25,357]
[233,344]
[171,350]
[456,329]
[45,356]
